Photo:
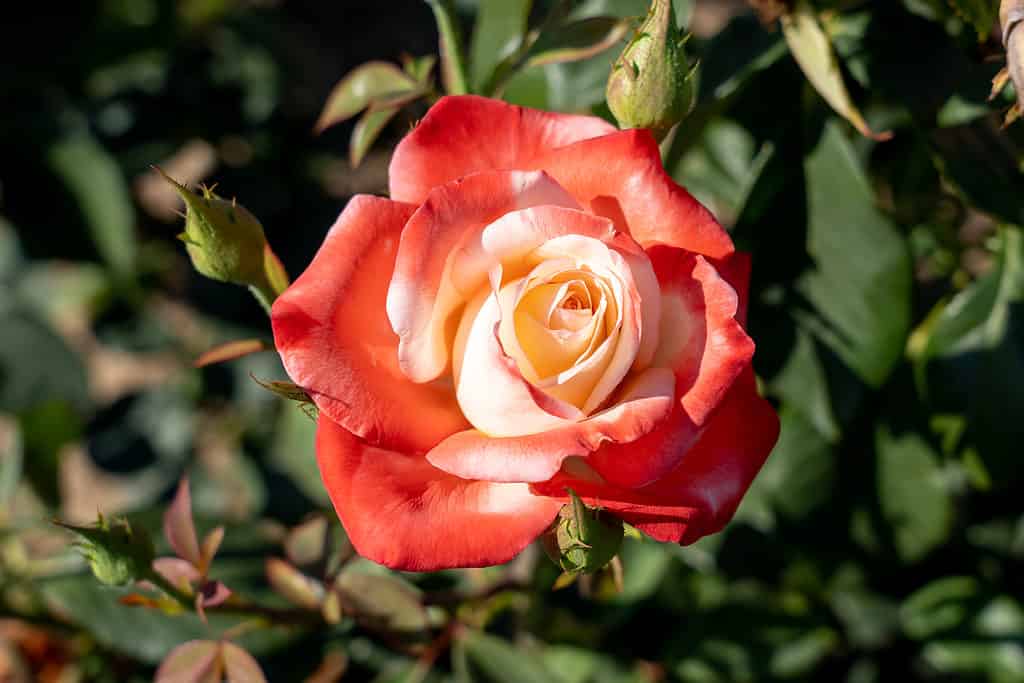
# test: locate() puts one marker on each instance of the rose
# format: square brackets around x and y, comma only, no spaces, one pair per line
[537,307]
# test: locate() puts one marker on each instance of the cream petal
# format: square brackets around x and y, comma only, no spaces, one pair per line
[491,389]
[438,265]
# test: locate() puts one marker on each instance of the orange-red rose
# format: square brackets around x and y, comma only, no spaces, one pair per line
[537,306]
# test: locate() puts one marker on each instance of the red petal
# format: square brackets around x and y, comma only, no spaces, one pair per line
[736,271]
[705,346]
[402,512]
[538,457]
[467,134]
[702,493]
[700,339]
[620,176]
[332,332]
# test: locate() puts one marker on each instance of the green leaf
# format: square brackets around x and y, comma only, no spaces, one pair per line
[292,453]
[500,28]
[1001,662]
[981,14]
[644,566]
[721,169]
[37,366]
[12,455]
[799,656]
[960,151]
[578,40]
[419,68]
[579,86]
[11,258]
[493,660]
[94,179]
[367,130]
[142,633]
[453,60]
[861,285]
[973,361]
[58,289]
[941,606]
[869,619]
[812,50]
[381,601]
[360,88]
[799,476]
[912,493]
[570,664]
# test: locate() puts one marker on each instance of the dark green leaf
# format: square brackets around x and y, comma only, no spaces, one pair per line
[93,177]
[381,601]
[721,169]
[36,365]
[860,287]
[912,493]
[140,632]
[978,161]
[973,361]
[500,28]
[798,477]
[941,606]
[493,660]
[981,14]
[578,40]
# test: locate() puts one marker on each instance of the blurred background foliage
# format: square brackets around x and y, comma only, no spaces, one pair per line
[884,539]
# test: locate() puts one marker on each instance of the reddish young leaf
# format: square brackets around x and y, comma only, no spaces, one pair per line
[180,573]
[209,548]
[179,529]
[230,351]
[240,666]
[197,661]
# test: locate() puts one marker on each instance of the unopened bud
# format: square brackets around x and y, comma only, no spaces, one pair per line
[117,553]
[226,242]
[652,85]
[582,540]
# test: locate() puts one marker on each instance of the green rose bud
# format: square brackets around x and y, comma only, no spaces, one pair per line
[582,540]
[651,85]
[226,243]
[117,553]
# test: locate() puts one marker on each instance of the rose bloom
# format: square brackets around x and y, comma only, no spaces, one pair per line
[537,307]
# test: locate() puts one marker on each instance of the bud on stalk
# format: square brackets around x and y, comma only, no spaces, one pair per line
[226,243]
[652,85]
[117,553]
[582,540]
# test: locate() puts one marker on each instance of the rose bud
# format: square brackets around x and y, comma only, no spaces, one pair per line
[651,85]
[583,539]
[116,552]
[226,243]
